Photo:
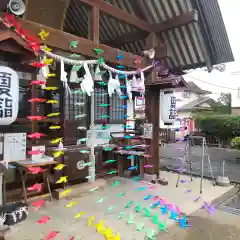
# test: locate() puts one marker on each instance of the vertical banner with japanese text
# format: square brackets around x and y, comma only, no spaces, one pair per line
[9,95]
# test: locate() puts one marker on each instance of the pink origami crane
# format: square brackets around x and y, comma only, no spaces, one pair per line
[38,204]
[43,220]
[35,170]
[148,166]
[38,82]
[35,152]
[36,135]
[36,187]
[51,235]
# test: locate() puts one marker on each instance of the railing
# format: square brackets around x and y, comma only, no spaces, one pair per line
[166,135]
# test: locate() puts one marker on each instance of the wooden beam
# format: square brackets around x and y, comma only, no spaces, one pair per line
[176,22]
[128,37]
[119,14]
[47,12]
[61,40]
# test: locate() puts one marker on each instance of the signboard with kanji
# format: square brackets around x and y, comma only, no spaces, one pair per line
[9,95]
[148,130]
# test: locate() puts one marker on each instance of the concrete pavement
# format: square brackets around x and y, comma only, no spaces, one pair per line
[105,204]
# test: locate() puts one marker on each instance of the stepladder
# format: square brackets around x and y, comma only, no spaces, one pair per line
[188,159]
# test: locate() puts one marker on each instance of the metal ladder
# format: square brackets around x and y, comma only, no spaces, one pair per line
[188,159]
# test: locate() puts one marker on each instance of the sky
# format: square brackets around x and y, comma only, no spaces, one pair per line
[231,82]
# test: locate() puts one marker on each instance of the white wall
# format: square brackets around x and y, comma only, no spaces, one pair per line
[180,101]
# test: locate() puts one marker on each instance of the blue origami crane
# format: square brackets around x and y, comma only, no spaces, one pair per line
[148,197]
[183,222]
[164,210]
[133,168]
[174,215]
[156,204]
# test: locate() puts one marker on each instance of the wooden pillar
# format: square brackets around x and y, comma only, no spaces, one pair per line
[152,115]
[152,110]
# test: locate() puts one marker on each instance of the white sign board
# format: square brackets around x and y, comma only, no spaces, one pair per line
[148,130]
[14,147]
[100,137]
[168,108]
[9,95]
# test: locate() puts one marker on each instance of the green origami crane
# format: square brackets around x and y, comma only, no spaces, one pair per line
[104,105]
[73,44]
[130,219]
[105,127]
[151,234]
[76,68]
[121,194]
[120,215]
[147,212]
[155,219]
[129,204]
[107,149]
[140,227]
[111,208]
[138,208]
[101,84]
[84,151]
[162,226]
[104,116]
[98,50]
[137,178]
[112,172]
[100,200]
[116,183]
[74,55]
[111,161]
[100,61]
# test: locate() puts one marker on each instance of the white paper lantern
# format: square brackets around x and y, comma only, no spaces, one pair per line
[9,95]
[168,108]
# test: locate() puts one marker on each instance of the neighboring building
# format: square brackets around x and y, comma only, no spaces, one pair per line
[188,100]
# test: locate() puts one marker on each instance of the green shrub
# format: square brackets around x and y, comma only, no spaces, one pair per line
[224,127]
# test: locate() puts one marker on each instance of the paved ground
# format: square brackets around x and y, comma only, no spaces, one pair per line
[221,225]
[62,218]
[170,153]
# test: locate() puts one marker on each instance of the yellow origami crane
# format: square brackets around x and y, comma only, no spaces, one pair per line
[53,114]
[57,154]
[71,204]
[51,75]
[50,88]
[100,227]
[57,140]
[59,166]
[52,101]
[117,237]
[90,220]
[46,49]
[108,234]
[43,34]
[79,215]
[62,179]
[48,61]
[65,192]
[54,127]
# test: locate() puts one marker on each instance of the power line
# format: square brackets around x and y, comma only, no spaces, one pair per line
[212,83]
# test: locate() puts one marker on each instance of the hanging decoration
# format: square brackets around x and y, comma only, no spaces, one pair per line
[9,95]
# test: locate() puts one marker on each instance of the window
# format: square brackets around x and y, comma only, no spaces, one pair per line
[186,94]
[114,108]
